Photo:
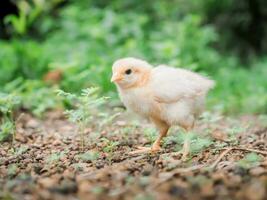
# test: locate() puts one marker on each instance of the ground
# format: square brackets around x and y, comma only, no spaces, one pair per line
[47,161]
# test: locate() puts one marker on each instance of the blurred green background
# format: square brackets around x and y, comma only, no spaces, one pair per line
[71,44]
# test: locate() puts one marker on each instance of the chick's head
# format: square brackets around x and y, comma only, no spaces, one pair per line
[130,72]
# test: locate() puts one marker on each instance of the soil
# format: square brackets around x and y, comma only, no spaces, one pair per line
[47,161]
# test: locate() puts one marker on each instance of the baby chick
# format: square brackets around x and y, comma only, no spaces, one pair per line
[166,96]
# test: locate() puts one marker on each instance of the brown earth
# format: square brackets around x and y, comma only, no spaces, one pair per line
[46,161]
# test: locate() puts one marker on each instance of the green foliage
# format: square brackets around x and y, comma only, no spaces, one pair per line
[239,90]
[109,146]
[84,46]
[250,160]
[12,170]
[34,95]
[88,156]
[151,134]
[28,13]
[55,157]
[198,142]
[8,104]
[85,108]
[84,105]
[7,129]
[20,150]
[25,59]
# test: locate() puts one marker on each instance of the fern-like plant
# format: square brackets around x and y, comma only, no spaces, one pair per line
[85,108]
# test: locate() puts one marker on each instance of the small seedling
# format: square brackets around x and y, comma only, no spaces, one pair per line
[125,131]
[19,151]
[107,119]
[12,170]
[232,133]
[250,160]
[88,156]
[55,157]
[7,128]
[197,142]
[85,107]
[8,103]
[109,145]
[151,134]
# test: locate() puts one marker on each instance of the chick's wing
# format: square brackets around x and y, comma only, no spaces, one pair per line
[168,84]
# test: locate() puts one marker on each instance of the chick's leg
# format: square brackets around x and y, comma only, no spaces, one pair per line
[186,149]
[156,145]
[186,146]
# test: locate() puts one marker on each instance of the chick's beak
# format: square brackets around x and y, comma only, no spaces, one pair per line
[116,77]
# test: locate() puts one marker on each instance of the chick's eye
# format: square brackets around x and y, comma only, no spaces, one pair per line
[128,71]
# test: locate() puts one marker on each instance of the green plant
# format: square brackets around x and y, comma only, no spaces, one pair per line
[12,170]
[87,45]
[8,104]
[107,118]
[7,129]
[85,108]
[28,13]
[232,132]
[151,134]
[88,156]
[20,150]
[35,96]
[198,142]
[55,157]
[109,145]
[250,160]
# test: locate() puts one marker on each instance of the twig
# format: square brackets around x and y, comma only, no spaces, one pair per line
[235,148]
[251,150]
[188,169]
[220,157]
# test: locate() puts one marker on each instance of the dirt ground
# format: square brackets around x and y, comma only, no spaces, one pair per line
[46,161]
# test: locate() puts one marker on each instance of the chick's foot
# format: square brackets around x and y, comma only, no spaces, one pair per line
[141,150]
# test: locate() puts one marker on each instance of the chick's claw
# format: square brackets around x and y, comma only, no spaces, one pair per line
[141,150]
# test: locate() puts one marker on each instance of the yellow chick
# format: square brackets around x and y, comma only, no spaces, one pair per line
[166,96]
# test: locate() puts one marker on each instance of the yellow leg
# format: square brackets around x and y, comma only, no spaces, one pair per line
[186,146]
[155,146]
[186,149]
